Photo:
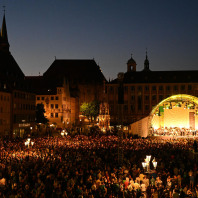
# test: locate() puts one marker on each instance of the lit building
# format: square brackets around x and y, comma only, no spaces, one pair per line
[143,90]
[64,87]
[60,107]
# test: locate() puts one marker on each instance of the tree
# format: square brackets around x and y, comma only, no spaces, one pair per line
[90,110]
[40,118]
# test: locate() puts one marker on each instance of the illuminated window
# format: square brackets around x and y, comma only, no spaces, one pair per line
[52,115]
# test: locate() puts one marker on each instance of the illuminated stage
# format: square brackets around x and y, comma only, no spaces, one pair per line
[177,115]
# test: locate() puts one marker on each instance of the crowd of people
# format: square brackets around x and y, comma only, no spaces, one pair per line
[90,167]
[175,131]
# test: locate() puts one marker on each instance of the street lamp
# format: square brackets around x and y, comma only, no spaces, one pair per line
[146,163]
[63,132]
[28,142]
[154,163]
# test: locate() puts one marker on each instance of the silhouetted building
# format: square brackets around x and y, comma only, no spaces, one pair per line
[17,104]
[145,89]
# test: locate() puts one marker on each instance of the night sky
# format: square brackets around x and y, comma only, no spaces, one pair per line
[107,30]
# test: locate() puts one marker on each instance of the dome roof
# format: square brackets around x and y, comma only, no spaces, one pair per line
[131,61]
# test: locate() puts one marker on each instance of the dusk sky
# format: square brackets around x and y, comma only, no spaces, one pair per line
[106,30]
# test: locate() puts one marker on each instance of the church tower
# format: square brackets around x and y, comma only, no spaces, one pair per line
[131,65]
[11,74]
[4,44]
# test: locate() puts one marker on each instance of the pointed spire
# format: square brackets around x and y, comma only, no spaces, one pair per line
[4,44]
[146,62]
[146,54]
[4,34]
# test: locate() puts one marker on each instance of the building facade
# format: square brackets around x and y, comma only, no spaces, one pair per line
[5,113]
[60,107]
[17,104]
[143,90]
[64,87]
